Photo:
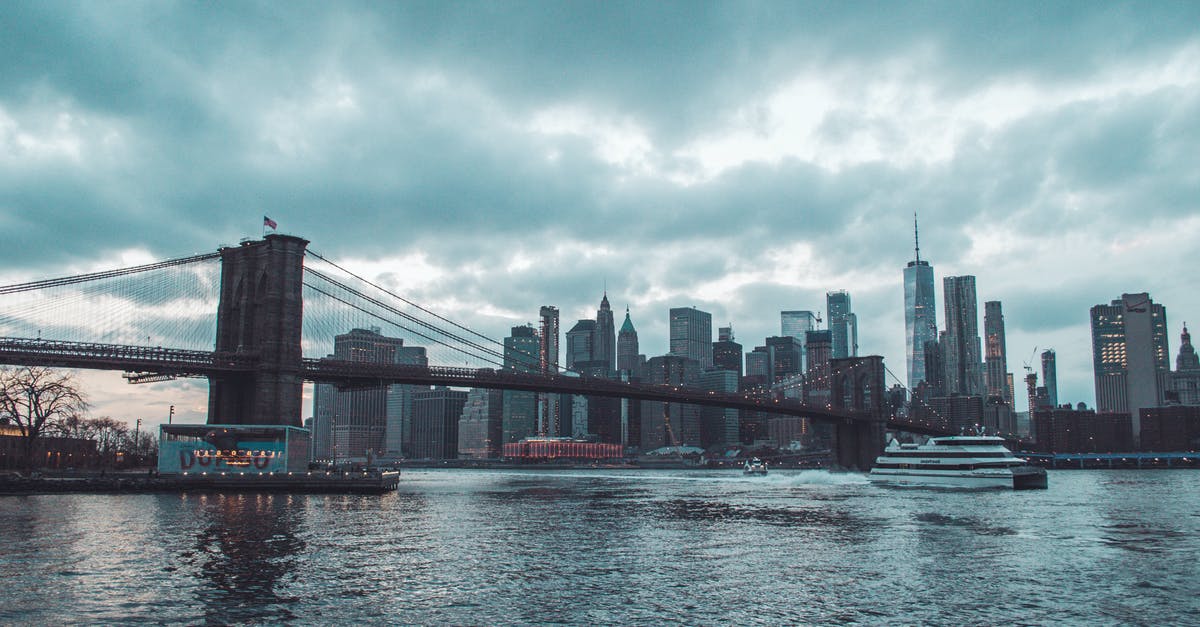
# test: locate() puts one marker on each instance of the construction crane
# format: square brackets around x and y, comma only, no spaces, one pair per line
[1028,368]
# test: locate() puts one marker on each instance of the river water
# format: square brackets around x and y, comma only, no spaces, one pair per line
[615,547]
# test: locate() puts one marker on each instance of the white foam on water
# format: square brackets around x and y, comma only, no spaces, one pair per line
[813,477]
[773,478]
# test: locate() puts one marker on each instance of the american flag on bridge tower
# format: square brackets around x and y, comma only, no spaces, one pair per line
[268,222]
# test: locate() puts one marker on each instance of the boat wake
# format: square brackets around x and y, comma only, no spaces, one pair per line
[815,477]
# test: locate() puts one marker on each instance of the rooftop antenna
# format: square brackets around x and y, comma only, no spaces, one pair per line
[916,237]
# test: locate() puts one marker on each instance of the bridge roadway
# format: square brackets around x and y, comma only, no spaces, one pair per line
[190,363]
[16,351]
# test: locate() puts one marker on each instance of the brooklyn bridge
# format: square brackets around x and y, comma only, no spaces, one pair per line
[277,305]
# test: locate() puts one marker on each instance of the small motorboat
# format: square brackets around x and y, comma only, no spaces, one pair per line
[755,466]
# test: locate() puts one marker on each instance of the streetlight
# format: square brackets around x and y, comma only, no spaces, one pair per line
[137,447]
[170,414]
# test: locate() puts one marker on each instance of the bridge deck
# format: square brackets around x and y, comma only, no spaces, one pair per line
[189,363]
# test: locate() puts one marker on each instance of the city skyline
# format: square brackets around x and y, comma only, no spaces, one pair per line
[749,163]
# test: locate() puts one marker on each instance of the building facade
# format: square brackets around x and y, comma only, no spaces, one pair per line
[1184,388]
[1129,355]
[549,405]
[816,377]
[718,425]
[436,414]
[520,408]
[481,425]
[581,340]
[727,353]
[691,335]
[797,323]
[961,352]
[670,424]
[398,434]
[1050,375]
[787,356]
[627,348]
[995,352]
[920,314]
[354,423]
[843,324]
[604,346]
[1066,430]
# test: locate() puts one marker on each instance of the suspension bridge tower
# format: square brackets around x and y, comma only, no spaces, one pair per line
[260,314]
[857,384]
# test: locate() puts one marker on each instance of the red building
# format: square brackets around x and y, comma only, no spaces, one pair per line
[560,448]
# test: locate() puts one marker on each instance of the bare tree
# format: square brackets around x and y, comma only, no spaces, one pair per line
[109,434]
[36,400]
[73,426]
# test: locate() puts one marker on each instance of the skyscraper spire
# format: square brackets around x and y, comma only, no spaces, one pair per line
[604,344]
[916,236]
[1186,360]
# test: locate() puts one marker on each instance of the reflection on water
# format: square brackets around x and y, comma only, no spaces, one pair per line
[613,547]
[244,553]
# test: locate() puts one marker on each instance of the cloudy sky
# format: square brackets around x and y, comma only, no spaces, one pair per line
[484,159]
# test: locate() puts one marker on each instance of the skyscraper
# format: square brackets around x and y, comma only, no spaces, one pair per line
[1050,376]
[627,347]
[548,340]
[1129,355]
[961,349]
[843,324]
[796,324]
[581,342]
[1184,386]
[479,428]
[759,366]
[787,356]
[691,335]
[920,313]
[400,403]
[520,413]
[604,346]
[1186,360]
[548,404]
[436,414]
[816,377]
[670,424]
[995,353]
[359,421]
[718,425]
[727,354]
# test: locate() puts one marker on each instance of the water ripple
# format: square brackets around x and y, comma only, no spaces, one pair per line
[614,547]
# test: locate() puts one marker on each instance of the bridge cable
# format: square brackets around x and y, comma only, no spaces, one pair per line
[94,276]
[559,367]
[405,300]
[393,322]
[404,315]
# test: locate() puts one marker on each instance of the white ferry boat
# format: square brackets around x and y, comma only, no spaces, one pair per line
[956,462]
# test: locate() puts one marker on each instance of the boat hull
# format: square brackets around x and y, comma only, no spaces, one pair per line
[1021,478]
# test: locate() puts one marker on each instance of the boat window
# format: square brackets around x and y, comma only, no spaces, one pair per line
[962,442]
[903,453]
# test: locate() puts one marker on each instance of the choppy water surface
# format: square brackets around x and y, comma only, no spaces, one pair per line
[615,547]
